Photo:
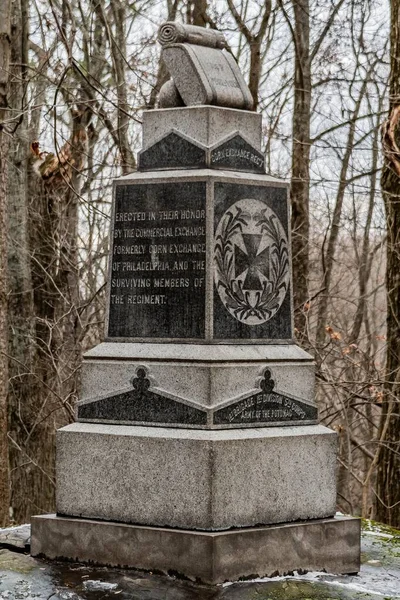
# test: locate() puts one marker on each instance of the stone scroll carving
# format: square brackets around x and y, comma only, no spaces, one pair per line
[202,71]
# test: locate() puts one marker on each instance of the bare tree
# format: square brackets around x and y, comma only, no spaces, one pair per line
[5,51]
[255,41]
[329,256]
[92,66]
[20,307]
[301,145]
[388,481]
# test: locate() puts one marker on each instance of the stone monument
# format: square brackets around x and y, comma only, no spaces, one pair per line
[197,448]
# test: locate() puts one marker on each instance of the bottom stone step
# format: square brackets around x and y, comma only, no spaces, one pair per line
[332,545]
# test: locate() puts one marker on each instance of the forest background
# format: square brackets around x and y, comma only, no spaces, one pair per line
[75,76]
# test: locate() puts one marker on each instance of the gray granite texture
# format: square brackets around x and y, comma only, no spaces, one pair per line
[176,379]
[201,256]
[173,32]
[206,76]
[210,353]
[332,545]
[207,387]
[207,125]
[169,97]
[140,404]
[177,151]
[196,479]
[198,396]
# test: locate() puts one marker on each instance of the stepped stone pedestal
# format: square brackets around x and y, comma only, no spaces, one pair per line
[197,448]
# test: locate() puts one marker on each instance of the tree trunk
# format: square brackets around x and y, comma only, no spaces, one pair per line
[199,13]
[118,50]
[118,54]
[5,47]
[255,42]
[388,480]
[20,340]
[162,73]
[300,182]
[337,215]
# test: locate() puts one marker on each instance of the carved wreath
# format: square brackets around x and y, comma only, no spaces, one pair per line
[270,297]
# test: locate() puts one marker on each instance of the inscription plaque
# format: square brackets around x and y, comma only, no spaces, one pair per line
[158,261]
[237,154]
[266,407]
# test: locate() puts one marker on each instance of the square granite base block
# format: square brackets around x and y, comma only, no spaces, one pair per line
[332,545]
[196,479]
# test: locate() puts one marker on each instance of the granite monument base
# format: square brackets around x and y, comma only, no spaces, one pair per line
[196,479]
[332,545]
[213,386]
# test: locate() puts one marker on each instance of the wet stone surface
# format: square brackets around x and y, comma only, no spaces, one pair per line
[22,577]
[15,537]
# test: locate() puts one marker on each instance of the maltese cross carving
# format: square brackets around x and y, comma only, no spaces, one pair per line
[254,262]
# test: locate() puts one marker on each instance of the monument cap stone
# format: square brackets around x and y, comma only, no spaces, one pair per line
[172,32]
[202,71]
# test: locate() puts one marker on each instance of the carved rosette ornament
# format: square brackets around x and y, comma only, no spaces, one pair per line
[251,261]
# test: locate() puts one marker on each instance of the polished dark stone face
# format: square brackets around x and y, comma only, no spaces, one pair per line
[140,405]
[238,155]
[172,152]
[157,287]
[175,151]
[266,407]
[252,295]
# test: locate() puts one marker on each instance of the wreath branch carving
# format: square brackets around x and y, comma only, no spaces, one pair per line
[238,300]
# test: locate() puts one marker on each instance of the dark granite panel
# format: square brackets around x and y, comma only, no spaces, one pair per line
[266,407]
[171,152]
[237,154]
[141,405]
[157,287]
[252,296]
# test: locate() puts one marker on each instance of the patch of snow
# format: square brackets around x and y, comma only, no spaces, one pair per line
[379,534]
[364,583]
[16,527]
[91,585]
[67,595]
